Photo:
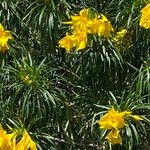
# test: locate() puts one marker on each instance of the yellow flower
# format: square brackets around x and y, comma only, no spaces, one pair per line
[114,137]
[145,17]
[94,25]
[113,119]
[80,39]
[119,36]
[102,26]
[105,28]
[7,141]
[67,42]
[26,143]
[77,40]
[80,21]
[5,35]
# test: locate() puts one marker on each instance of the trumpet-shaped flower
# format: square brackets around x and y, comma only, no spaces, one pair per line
[67,42]
[77,40]
[105,28]
[113,119]
[94,25]
[114,137]
[145,17]
[80,39]
[26,143]
[7,141]
[102,26]
[80,21]
[5,35]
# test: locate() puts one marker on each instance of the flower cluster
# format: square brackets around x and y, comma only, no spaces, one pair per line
[10,141]
[82,25]
[145,17]
[114,121]
[5,35]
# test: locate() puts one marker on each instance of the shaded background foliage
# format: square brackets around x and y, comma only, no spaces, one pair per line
[60,106]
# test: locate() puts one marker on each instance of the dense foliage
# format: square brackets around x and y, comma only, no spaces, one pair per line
[58,96]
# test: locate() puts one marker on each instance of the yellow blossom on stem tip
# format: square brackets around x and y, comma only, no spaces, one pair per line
[8,141]
[145,17]
[67,42]
[106,28]
[102,26]
[113,119]
[77,40]
[26,143]
[80,39]
[5,35]
[94,25]
[114,137]
[80,21]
